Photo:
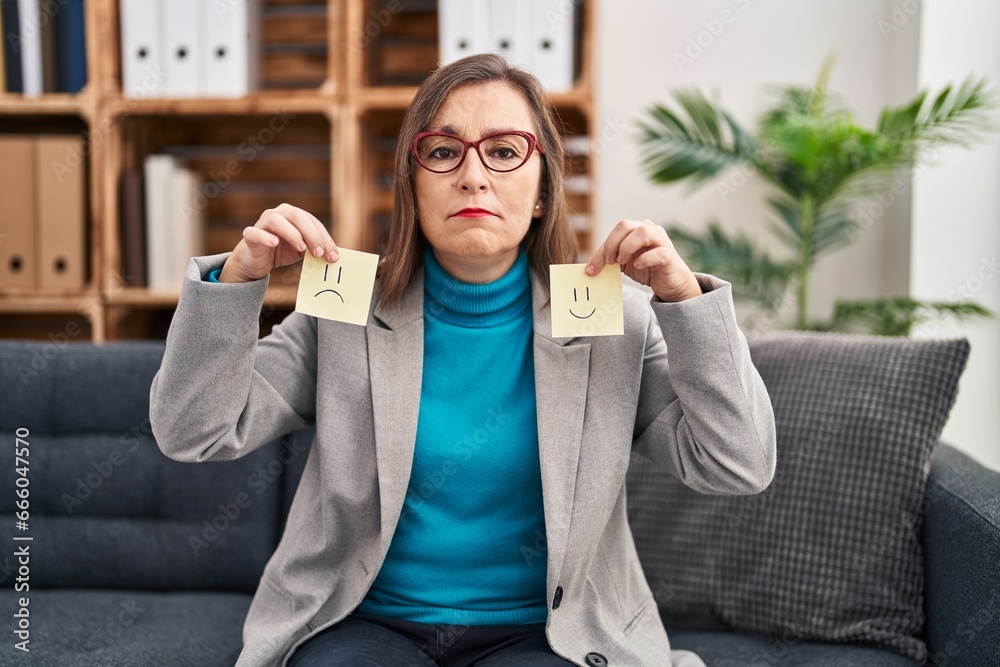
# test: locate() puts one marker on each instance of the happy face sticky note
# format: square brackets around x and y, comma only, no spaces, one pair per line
[340,290]
[583,305]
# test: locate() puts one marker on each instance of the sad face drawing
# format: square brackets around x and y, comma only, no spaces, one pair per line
[340,273]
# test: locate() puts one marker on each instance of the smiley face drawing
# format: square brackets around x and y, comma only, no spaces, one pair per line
[341,290]
[340,273]
[585,305]
[592,310]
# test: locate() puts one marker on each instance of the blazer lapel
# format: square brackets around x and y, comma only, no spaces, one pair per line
[395,360]
[562,370]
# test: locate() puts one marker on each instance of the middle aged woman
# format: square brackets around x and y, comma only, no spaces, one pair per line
[463,502]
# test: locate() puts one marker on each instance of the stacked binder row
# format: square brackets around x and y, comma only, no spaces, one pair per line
[42,230]
[189,48]
[534,34]
[44,50]
[163,222]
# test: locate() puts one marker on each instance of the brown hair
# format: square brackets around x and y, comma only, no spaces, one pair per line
[549,239]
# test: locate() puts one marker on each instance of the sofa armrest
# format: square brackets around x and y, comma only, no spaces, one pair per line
[961,539]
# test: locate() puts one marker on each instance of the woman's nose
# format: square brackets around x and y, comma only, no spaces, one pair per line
[473,174]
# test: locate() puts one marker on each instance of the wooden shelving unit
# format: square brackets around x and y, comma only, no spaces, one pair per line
[338,93]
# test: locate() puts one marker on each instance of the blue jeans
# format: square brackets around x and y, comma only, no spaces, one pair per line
[365,640]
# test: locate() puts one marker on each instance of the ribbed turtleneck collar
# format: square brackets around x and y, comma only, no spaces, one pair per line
[476,305]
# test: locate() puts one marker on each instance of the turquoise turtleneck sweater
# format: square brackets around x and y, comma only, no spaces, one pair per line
[465,550]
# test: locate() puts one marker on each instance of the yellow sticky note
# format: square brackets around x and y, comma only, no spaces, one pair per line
[583,305]
[340,290]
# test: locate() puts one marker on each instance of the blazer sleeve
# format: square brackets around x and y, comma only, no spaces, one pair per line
[703,412]
[220,393]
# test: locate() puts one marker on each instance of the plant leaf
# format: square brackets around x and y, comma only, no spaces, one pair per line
[956,115]
[699,148]
[897,316]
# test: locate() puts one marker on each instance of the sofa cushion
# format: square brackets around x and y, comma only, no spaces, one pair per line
[830,551]
[724,649]
[93,628]
[961,540]
[107,508]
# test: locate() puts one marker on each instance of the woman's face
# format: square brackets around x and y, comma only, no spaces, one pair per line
[481,248]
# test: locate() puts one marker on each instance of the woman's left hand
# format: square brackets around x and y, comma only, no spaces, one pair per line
[647,255]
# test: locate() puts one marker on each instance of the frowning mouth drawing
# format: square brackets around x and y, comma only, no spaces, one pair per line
[340,271]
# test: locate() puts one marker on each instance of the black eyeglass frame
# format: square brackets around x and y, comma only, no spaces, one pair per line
[533,145]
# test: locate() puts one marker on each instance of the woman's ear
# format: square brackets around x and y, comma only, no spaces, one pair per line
[539,209]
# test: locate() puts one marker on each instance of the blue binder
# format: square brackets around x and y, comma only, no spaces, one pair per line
[11,46]
[71,49]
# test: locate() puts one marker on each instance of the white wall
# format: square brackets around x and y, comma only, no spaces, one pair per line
[956,220]
[765,42]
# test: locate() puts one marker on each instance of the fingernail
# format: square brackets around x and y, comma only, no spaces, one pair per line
[590,269]
[332,256]
[318,252]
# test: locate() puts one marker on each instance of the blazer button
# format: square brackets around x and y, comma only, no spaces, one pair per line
[596,660]
[557,598]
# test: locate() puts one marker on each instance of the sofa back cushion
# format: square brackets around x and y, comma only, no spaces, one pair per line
[107,508]
[961,540]
[830,551]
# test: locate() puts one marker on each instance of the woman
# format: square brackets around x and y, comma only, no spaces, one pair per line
[463,502]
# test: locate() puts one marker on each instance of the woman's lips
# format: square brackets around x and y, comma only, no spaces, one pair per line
[473,213]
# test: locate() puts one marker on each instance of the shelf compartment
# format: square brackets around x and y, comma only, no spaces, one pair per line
[57,326]
[398,42]
[404,47]
[294,48]
[64,164]
[294,45]
[247,164]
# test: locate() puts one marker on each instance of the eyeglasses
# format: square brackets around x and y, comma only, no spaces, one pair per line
[502,152]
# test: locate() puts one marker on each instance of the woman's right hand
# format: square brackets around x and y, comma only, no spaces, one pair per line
[280,237]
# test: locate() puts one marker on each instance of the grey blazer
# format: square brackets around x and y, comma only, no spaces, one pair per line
[220,393]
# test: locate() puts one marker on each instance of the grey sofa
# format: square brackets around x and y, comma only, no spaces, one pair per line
[139,560]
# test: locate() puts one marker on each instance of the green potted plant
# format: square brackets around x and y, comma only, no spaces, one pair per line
[822,165]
